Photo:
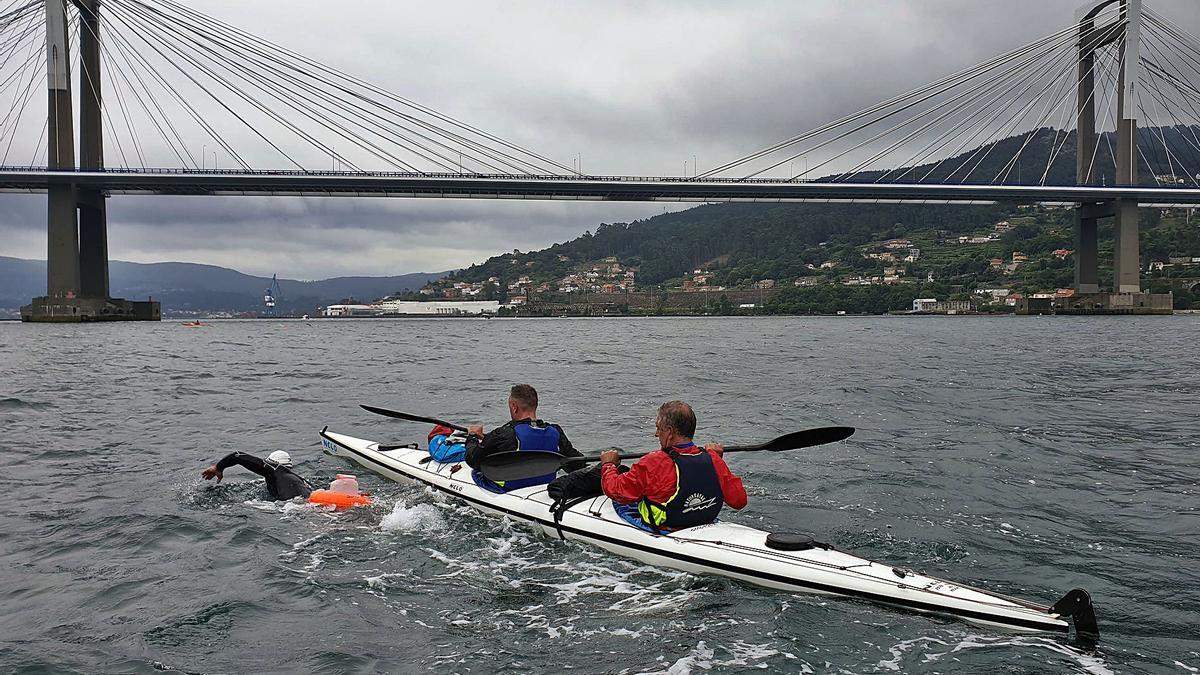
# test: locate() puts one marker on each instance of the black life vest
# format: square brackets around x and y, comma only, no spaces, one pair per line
[697,499]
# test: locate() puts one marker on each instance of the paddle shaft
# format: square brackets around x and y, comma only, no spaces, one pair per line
[411,417]
[637,455]
[525,464]
[793,441]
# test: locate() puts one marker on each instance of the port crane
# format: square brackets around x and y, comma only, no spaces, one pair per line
[271,296]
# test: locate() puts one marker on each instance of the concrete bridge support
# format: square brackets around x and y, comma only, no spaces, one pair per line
[1124,30]
[62,255]
[93,220]
[77,284]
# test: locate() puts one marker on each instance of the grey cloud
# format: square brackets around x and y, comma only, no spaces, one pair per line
[318,238]
[634,87]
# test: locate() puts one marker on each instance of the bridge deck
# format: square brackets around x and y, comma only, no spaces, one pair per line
[602,188]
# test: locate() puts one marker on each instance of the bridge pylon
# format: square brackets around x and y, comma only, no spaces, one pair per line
[77,283]
[1124,29]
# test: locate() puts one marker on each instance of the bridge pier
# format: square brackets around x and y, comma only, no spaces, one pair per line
[77,283]
[1087,249]
[1127,263]
[1127,297]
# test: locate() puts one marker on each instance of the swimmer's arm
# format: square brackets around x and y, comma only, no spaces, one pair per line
[250,462]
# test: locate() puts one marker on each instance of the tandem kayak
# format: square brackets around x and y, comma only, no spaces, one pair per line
[777,561]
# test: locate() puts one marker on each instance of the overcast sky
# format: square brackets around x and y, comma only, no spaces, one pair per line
[629,87]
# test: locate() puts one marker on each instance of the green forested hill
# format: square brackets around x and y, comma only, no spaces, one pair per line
[745,243]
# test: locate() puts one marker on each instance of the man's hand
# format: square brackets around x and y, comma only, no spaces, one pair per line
[475,430]
[717,448]
[610,456]
[211,472]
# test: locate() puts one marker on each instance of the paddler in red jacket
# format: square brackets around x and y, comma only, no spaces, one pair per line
[680,485]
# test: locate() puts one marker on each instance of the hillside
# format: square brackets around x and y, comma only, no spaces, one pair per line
[827,257]
[190,287]
[830,256]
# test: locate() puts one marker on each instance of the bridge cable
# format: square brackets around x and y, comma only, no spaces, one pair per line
[918,160]
[113,67]
[85,75]
[1006,131]
[206,90]
[1176,79]
[118,56]
[290,95]
[1156,74]
[1037,54]
[122,54]
[985,89]
[377,90]
[124,44]
[157,32]
[983,147]
[983,86]
[942,84]
[21,101]
[468,143]
[281,94]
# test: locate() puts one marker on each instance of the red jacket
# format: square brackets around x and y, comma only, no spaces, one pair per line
[653,476]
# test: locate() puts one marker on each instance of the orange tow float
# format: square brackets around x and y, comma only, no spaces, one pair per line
[342,493]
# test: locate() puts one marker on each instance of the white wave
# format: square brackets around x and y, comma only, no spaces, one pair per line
[699,657]
[740,653]
[417,518]
[1086,662]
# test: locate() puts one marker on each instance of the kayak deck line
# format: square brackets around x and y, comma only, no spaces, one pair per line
[997,609]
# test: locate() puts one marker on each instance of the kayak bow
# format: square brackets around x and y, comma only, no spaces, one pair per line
[772,560]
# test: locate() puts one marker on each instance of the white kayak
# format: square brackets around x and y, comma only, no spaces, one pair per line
[789,563]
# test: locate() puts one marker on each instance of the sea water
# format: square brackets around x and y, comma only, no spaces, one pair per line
[1025,455]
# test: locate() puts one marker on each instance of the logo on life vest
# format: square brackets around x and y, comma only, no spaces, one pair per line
[697,502]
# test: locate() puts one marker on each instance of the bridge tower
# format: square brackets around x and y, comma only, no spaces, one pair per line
[77,284]
[1125,30]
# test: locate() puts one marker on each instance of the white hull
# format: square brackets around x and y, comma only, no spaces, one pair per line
[722,548]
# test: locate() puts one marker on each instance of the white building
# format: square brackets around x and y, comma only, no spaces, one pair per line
[351,310]
[407,308]
[924,304]
[445,308]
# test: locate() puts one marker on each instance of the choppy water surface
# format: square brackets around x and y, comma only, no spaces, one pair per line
[1027,455]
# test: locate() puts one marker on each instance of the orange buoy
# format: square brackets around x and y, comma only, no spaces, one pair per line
[338,499]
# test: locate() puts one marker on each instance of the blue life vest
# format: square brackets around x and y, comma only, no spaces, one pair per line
[535,435]
[697,499]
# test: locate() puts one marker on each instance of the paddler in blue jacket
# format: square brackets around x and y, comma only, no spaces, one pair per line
[524,431]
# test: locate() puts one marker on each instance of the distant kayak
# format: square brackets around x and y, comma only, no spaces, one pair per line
[781,561]
[193,324]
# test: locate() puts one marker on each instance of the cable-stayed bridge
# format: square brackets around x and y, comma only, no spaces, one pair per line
[1104,114]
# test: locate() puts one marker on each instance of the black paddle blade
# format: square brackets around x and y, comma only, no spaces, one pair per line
[519,464]
[410,417]
[799,439]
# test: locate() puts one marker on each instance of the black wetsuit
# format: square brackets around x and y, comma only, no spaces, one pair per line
[504,439]
[282,482]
